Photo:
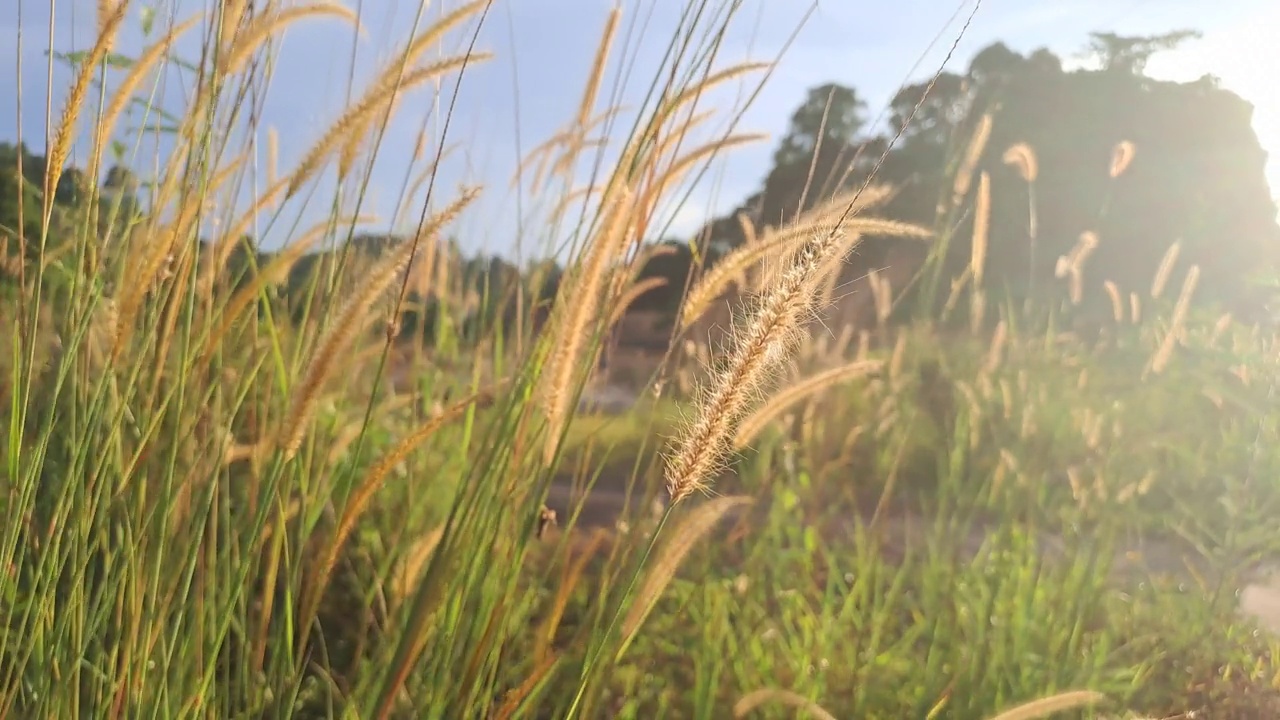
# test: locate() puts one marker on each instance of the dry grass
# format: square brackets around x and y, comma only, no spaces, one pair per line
[786,398]
[251,440]
[348,322]
[685,535]
[1052,705]
[753,700]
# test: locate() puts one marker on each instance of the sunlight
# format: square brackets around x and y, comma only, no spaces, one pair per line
[1244,56]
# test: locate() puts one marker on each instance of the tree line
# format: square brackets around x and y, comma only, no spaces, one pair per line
[1197,178]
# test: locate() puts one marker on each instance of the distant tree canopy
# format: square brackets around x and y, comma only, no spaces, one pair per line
[21,211]
[1197,177]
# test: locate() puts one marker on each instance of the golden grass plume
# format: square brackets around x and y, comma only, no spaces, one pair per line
[774,244]
[981,228]
[757,698]
[577,310]
[760,350]
[1121,158]
[1023,159]
[686,533]
[1045,707]
[1165,269]
[368,486]
[259,30]
[64,133]
[1161,359]
[361,114]
[972,155]
[784,400]
[348,322]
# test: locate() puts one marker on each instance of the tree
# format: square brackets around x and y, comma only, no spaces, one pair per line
[813,159]
[1128,54]
[830,114]
[941,108]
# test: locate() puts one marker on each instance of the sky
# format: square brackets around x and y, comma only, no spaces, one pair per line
[542,50]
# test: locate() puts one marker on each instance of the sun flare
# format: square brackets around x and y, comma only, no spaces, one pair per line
[1243,56]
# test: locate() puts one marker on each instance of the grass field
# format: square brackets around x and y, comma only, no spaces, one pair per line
[220,510]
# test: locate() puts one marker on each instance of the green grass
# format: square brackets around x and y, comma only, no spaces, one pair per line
[169,554]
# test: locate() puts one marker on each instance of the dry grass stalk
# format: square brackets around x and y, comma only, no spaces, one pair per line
[394,74]
[694,92]
[233,13]
[1075,285]
[409,570]
[124,93]
[153,261]
[977,309]
[1176,325]
[107,8]
[364,491]
[833,273]
[1219,328]
[684,163]
[568,582]
[785,400]
[749,235]
[275,272]
[347,324]
[775,244]
[223,174]
[226,243]
[259,30]
[682,538]
[973,154]
[63,135]
[1056,703]
[958,284]
[273,156]
[1023,159]
[572,141]
[542,156]
[897,359]
[598,62]
[631,295]
[755,699]
[996,352]
[358,116]
[1135,308]
[849,205]
[515,697]
[760,351]
[1165,269]
[1121,157]
[981,228]
[1117,304]
[578,310]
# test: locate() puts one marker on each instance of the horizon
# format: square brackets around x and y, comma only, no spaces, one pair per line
[514,102]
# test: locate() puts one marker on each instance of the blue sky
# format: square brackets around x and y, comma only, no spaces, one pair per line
[543,47]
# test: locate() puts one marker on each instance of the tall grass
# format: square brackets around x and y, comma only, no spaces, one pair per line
[225,501]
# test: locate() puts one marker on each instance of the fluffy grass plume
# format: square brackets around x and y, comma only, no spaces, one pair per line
[758,698]
[348,323]
[807,388]
[1045,707]
[760,349]
[773,245]
[64,134]
[683,536]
